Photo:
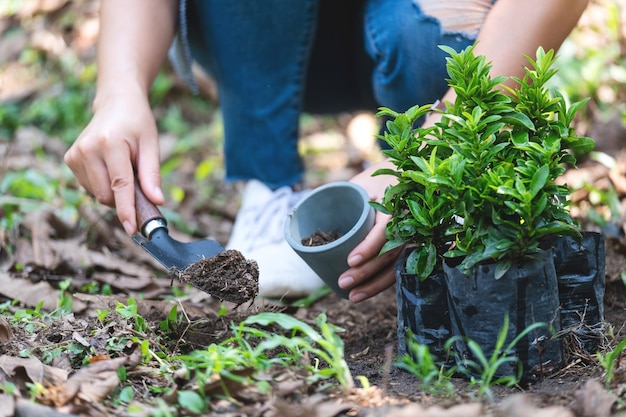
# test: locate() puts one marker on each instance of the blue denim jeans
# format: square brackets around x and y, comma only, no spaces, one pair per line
[274,59]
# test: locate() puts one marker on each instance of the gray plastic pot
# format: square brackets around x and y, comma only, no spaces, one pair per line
[339,207]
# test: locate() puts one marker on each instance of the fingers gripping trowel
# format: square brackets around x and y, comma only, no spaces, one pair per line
[155,239]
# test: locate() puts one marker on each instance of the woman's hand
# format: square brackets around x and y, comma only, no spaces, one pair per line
[120,139]
[371,273]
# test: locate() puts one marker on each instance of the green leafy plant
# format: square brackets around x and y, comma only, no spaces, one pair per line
[420,215]
[480,185]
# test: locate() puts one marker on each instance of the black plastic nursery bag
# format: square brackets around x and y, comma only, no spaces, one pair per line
[422,310]
[528,293]
[580,271]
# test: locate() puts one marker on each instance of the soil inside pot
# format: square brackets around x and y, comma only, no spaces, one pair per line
[320,238]
[228,276]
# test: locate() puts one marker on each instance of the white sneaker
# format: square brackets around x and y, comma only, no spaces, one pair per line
[258,233]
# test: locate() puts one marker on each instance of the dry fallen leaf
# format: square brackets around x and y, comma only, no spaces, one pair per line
[416,410]
[31,295]
[218,385]
[520,405]
[6,332]
[8,405]
[313,406]
[22,370]
[92,383]
[592,400]
[26,408]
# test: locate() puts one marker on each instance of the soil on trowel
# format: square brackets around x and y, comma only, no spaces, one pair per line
[227,276]
[320,238]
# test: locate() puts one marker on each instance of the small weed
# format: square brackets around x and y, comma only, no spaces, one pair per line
[66,110]
[487,367]
[8,388]
[97,288]
[48,355]
[35,389]
[326,345]
[29,319]
[220,359]
[222,311]
[102,314]
[171,321]
[609,362]
[252,349]
[434,379]
[130,312]
[163,409]
[25,191]
[65,298]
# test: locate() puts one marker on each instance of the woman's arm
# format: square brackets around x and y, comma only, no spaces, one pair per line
[133,43]
[121,138]
[516,28]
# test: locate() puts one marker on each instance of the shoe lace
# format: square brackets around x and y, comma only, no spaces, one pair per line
[265,224]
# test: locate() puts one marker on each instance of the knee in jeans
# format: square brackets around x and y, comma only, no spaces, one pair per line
[457,17]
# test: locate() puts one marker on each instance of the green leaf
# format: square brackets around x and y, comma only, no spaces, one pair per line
[502,268]
[385,111]
[411,262]
[126,394]
[539,180]
[555,228]
[386,171]
[285,321]
[519,138]
[390,245]
[191,400]
[419,213]
[425,262]
[519,119]
[379,207]
[580,143]
[510,191]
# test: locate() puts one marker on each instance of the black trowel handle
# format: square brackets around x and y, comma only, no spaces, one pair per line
[149,217]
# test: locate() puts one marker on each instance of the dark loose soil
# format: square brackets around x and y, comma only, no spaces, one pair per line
[228,276]
[320,238]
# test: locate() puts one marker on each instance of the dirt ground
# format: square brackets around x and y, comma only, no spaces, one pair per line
[48,250]
[92,250]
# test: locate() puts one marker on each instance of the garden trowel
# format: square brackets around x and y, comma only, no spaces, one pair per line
[154,238]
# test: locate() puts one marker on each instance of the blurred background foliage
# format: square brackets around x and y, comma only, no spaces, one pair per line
[592,61]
